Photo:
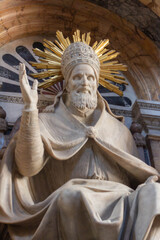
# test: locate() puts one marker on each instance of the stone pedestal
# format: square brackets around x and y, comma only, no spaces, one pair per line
[147,113]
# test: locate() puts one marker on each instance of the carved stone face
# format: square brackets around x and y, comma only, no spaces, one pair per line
[82,78]
[82,86]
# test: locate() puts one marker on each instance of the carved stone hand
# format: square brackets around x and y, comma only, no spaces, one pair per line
[30,95]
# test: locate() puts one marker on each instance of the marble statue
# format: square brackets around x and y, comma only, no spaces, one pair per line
[73,173]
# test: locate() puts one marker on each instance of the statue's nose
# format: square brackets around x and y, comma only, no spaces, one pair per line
[84,80]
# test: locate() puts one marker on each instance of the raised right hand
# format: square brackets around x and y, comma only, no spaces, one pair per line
[30,95]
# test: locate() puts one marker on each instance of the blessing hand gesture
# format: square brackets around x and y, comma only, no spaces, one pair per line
[30,95]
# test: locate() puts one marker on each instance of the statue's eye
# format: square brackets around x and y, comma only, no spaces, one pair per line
[90,77]
[77,77]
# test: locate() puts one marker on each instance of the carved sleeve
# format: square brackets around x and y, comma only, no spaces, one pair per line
[29,153]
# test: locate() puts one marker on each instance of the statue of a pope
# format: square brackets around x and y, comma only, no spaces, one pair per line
[72,173]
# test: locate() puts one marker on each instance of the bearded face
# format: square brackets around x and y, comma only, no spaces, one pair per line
[82,87]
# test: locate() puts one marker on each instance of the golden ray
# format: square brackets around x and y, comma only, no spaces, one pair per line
[102,46]
[94,45]
[60,45]
[110,87]
[88,38]
[106,58]
[46,74]
[48,65]
[114,67]
[47,55]
[49,82]
[99,54]
[68,41]
[83,37]
[111,77]
[98,45]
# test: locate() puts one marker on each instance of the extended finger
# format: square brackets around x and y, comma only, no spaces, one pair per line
[24,74]
[35,85]
[21,71]
[23,83]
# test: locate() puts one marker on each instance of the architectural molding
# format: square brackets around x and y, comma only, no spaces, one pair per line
[153,137]
[11,99]
[19,100]
[122,111]
[152,105]
[148,114]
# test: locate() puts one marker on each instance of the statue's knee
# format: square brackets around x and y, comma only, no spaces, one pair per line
[68,198]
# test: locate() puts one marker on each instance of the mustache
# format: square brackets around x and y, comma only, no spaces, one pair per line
[84,89]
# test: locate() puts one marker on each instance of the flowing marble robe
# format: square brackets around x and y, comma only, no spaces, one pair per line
[87,186]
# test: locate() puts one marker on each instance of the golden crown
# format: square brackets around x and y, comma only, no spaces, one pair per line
[52,59]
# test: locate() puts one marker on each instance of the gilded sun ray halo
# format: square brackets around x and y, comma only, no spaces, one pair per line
[50,60]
